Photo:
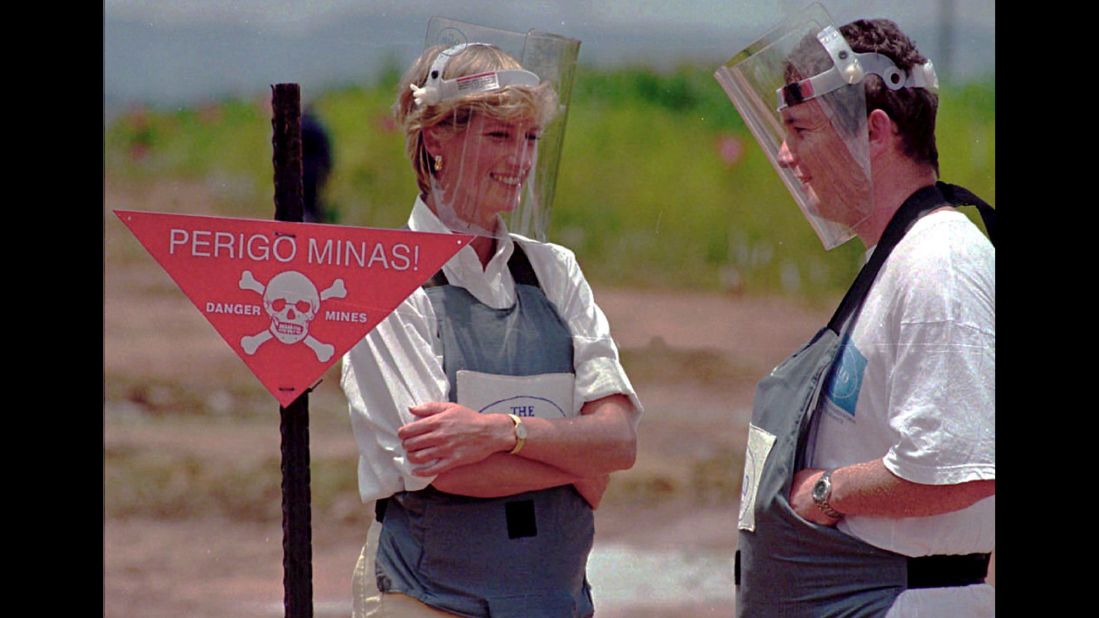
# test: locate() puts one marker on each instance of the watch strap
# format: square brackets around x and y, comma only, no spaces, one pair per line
[822,503]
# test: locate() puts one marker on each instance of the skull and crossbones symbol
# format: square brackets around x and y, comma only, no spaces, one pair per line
[291,300]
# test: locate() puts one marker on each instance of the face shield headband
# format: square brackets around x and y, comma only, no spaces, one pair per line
[850,68]
[437,89]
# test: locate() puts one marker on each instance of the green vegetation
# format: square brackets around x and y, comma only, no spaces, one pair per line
[660,183]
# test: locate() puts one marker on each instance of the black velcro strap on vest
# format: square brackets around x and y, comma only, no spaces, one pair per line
[520,517]
[947,571]
[519,265]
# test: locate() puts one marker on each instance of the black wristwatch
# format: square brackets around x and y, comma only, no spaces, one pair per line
[822,492]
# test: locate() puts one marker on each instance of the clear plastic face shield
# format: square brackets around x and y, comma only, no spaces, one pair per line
[488,116]
[800,90]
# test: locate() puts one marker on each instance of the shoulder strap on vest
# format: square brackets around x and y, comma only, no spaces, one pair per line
[958,196]
[519,265]
[917,205]
[436,280]
[521,270]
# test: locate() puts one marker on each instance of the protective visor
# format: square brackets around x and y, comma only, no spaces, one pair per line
[494,105]
[815,134]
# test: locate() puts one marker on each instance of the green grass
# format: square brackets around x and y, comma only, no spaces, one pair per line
[644,196]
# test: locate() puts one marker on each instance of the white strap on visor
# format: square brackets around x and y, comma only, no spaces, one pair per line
[849,68]
[437,89]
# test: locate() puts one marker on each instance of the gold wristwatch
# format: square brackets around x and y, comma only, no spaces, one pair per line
[520,434]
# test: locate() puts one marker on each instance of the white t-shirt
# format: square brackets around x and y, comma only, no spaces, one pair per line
[399,364]
[915,388]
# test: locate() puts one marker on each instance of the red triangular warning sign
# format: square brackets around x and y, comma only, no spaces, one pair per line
[290,298]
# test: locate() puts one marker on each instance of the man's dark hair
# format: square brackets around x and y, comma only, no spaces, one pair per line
[912,109]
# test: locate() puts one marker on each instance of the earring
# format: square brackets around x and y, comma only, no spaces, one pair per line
[438,162]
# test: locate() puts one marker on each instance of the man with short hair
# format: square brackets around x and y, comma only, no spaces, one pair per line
[870,474]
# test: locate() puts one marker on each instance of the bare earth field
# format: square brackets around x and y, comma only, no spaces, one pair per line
[191,454]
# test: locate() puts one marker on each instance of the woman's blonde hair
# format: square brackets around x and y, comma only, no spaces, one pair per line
[508,103]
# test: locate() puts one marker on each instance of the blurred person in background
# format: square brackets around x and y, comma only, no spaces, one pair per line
[481,513]
[316,157]
[870,478]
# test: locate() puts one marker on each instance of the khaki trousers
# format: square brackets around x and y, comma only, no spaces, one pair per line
[368,602]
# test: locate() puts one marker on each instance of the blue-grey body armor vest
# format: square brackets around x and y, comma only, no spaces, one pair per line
[522,555]
[788,566]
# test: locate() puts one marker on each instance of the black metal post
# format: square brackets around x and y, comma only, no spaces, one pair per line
[297,536]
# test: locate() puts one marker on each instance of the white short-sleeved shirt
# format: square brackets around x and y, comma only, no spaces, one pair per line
[915,388]
[399,364]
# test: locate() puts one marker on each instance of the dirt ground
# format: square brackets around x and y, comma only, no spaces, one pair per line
[191,449]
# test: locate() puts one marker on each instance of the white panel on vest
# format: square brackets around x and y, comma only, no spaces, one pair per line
[759,447]
[547,395]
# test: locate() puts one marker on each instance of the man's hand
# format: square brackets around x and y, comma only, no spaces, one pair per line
[801,497]
[870,489]
[449,435]
[592,489]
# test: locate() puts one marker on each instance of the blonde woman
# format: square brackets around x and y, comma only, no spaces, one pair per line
[479,513]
